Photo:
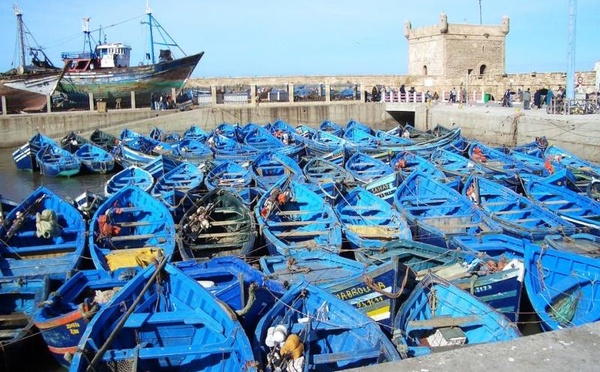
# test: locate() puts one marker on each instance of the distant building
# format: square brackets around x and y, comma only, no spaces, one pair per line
[452,50]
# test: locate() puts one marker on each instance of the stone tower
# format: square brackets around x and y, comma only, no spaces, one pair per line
[451,50]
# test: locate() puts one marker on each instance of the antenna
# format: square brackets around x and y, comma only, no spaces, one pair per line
[20,32]
[480,14]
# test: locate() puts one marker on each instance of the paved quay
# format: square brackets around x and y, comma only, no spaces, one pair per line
[572,349]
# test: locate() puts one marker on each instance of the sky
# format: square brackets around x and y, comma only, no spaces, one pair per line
[243,38]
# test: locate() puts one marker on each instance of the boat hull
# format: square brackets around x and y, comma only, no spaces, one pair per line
[110,84]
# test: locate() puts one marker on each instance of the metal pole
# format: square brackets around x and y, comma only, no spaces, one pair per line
[20,33]
[149,12]
[570,90]
[480,14]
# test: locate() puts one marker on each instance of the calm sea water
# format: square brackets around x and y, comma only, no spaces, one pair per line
[17,185]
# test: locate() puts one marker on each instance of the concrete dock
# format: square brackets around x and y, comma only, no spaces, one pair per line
[572,349]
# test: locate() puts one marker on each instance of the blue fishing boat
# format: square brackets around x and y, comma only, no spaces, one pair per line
[449,139]
[495,279]
[355,124]
[195,132]
[368,221]
[21,297]
[326,178]
[310,329]
[562,287]
[160,165]
[494,245]
[578,209]
[575,163]
[456,165]
[73,142]
[179,188]
[24,156]
[359,140]
[225,148]
[375,290]
[95,159]
[438,314]
[132,175]
[217,224]
[171,323]
[131,228]
[366,169]
[104,140]
[292,217]
[320,143]
[385,187]
[584,244]
[164,136]
[331,127]
[56,162]
[88,203]
[518,215]
[228,174]
[499,161]
[269,167]
[43,235]
[245,289]
[260,138]
[229,130]
[192,150]
[64,316]
[406,163]
[436,212]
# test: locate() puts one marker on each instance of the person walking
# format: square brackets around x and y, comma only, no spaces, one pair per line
[508,98]
[526,99]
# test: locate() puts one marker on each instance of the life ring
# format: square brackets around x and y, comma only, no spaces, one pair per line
[579,80]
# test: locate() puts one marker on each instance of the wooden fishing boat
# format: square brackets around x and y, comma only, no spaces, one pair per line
[229,130]
[228,174]
[95,159]
[319,332]
[161,135]
[195,132]
[192,150]
[584,244]
[355,124]
[320,143]
[331,127]
[137,149]
[132,175]
[375,290]
[171,322]
[73,142]
[245,289]
[328,178]
[292,217]
[64,316]
[104,139]
[131,228]
[456,165]
[20,298]
[88,203]
[450,139]
[406,163]
[358,139]
[366,169]
[179,188]
[57,162]
[576,164]
[562,287]
[217,224]
[269,167]
[436,212]
[499,161]
[493,245]
[368,221]
[518,215]
[578,209]
[160,165]
[496,279]
[439,314]
[225,148]
[43,235]
[385,187]
[24,156]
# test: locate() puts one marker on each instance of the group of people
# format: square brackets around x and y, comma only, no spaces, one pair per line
[162,102]
[538,99]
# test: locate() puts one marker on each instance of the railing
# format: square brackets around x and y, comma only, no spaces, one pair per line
[562,106]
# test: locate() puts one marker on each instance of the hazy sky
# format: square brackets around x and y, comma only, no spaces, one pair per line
[308,37]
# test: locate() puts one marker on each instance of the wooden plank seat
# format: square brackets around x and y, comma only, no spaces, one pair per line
[428,206]
[569,210]
[556,202]
[496,203]
[115,238]
[290,223]
[445,321]
[300,233]
[216,235]
[511,211]
[192,317]
[170,351]
[227,223]
[298,212]
[128,209]
[54,248]
[345,356]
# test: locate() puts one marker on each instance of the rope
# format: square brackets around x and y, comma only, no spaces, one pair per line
[251,298]
[371,284]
